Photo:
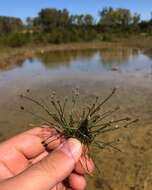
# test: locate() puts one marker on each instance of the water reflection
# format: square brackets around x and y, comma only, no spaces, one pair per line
[89,62]
[98,61]
[118,56]
[11,65]
[84,60]
[104,58]
[60,58]
[148,53]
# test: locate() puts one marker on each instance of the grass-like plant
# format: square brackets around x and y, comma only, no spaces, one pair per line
[86,124]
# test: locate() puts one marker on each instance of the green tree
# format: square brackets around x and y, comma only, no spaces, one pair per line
[88,20]
[48,19]
[136,19]
[30,22]
[113,17]
[10,24]
[78,20]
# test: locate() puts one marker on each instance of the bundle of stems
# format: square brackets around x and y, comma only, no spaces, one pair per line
[86,124]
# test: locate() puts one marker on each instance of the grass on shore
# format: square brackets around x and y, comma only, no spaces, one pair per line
[9,57]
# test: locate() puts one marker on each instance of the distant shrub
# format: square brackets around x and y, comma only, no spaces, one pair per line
[90,35]
[39,38]
[55,36]
[99,37]
[17,40]
[107,38]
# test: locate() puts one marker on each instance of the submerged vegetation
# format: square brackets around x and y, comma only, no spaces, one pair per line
[53,26]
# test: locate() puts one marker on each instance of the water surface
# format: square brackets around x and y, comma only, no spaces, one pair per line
[95,72]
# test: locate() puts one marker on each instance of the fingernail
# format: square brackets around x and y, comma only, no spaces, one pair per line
[72,148]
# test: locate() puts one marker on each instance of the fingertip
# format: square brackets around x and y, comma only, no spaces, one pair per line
[84,165]
[52,143]
[72,148]
[77,182]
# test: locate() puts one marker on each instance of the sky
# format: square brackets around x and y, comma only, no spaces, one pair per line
[25,8]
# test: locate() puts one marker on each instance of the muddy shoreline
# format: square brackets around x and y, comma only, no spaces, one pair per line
[9,57]
[13,56]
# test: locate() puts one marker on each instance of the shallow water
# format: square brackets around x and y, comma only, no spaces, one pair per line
[95,72]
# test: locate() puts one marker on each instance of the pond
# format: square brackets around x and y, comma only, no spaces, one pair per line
[94,72]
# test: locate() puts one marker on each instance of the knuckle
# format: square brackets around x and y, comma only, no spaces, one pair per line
[38,128]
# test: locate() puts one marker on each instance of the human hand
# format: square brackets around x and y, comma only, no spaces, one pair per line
[26,165]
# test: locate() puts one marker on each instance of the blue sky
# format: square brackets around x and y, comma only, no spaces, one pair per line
[24,8]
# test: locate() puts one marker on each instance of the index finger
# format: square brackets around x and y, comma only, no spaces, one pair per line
[27,143]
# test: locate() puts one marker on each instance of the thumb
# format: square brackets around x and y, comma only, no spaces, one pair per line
[48,172]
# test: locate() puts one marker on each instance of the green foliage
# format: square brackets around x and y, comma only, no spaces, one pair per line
[107,38]
[48,19]
[39,38]
[56,36]
[17,40]
[118,17]
[58,26]
[10,24]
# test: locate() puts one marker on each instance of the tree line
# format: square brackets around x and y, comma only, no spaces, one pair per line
[59,26]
